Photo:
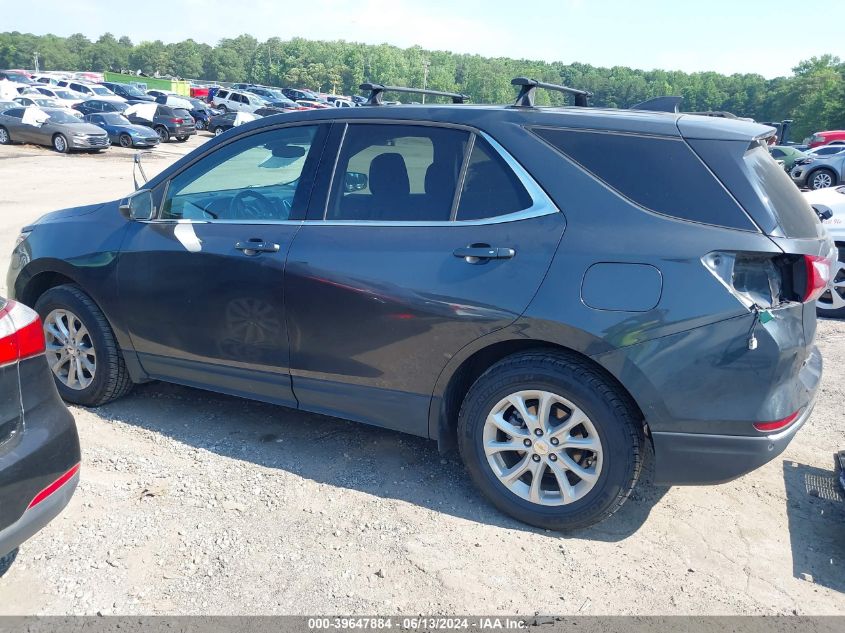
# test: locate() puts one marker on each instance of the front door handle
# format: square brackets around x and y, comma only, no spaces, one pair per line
[254,246]
[482,252]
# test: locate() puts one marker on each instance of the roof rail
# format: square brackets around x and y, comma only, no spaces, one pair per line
[376,91]
[660,104]
[525,99]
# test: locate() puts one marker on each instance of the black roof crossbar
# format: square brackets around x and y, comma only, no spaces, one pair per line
[660,104]
[525,99]
[376,91]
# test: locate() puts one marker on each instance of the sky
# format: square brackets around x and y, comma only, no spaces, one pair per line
[767,37]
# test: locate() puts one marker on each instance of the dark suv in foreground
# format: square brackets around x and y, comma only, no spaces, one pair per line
[544,288]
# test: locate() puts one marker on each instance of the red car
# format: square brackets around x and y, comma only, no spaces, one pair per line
[825,138]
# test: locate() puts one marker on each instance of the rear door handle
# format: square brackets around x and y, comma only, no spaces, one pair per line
[475,253]
[255,246]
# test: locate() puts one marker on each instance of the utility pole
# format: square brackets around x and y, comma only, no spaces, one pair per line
[426,65]
[35,59]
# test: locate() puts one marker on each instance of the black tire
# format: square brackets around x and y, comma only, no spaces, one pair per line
[124,140]
[838,275]
[60,144]
[162,132]
[821,179]
[181,139]
[609,409]
[5,139]
[223,108]
[218,131]
[111,378]
[200,124]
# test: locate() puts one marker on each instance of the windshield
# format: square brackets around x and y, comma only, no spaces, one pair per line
[100,90]
[113,118]
[133,91]
[64,94]
[196,103]
[62,117]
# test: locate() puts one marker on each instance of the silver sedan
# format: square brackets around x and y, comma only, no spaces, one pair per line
[61,131]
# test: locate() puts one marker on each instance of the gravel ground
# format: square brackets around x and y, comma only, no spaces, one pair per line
[197,503]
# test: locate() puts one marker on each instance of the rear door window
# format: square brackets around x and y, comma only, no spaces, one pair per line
[395,173]
[660,174]
[222,93]
[490,187]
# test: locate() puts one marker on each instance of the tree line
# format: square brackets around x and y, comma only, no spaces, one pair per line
[814,95]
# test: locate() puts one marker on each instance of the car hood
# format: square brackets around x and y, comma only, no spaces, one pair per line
[63,214]
[80,128]
[143,130]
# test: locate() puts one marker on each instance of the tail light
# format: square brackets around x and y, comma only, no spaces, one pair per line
[21,333]
[177,120]
[818,276]
[767,280]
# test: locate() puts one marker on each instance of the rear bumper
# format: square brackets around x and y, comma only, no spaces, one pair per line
[37,458]
[37,517]
[693,459]
[700,458]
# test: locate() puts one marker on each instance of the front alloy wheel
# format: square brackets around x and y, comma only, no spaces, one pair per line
[821,180]
[81,349]
[70,349]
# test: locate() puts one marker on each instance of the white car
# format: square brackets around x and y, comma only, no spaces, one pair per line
[40,101]
[233,101]
[62,95]
[90,91]
[826,150]
[832,302]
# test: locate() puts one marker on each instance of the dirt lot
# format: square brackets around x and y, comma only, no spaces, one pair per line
[192,502]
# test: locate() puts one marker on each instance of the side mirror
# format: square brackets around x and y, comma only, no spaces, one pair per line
[355,181]
[138,206]
[823,212]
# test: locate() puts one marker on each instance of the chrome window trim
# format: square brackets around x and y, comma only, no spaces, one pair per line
[541,203]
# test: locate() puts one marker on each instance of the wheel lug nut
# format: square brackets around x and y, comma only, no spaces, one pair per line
[555,441]
[527,442]
[538,432]
[536,458]
[553,457]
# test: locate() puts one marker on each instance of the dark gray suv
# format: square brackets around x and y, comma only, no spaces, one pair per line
[545,288]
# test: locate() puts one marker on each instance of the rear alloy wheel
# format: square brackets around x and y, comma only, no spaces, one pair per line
[81,350]
[60,143]
[832,302]
[550,440]
[200,124]
[821,179]
[125,140]
[163,134]
[5,139]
